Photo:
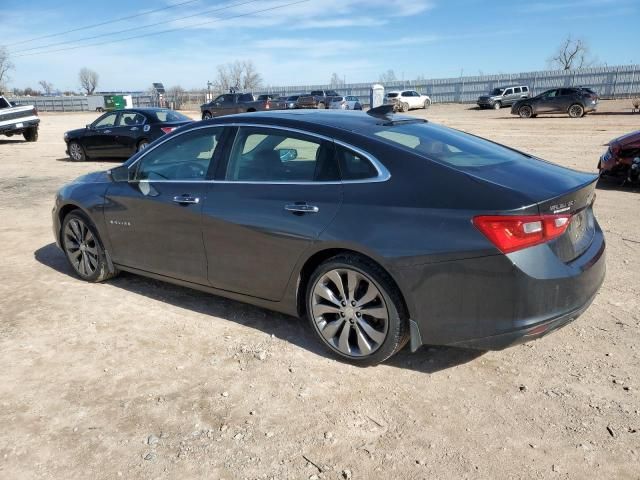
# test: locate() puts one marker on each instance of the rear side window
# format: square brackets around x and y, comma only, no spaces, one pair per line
[517,90]
[247,97]
[525,89]
[446,145]
[354,166]
[170,116]
[131,119]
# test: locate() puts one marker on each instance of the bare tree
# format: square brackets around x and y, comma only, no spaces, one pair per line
[177,94]
[387,77]
[336,81]
[88,80]
[46,86]
[5,66]
[241,75]
[571,54]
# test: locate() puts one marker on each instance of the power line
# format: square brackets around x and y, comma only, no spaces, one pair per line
[164,31]
[115,20]
[66,42]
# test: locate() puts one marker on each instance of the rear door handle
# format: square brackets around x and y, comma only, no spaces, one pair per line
[107,131]
[186,198]
[134,129]
[301,208]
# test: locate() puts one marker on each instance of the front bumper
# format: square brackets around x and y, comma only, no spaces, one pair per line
[493,302]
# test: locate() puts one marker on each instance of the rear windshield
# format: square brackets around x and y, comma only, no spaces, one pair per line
[169,116]
[447,146]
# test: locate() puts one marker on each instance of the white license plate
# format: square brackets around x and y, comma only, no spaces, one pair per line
[19,125]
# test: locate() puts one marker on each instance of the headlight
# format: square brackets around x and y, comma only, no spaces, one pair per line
[66,136]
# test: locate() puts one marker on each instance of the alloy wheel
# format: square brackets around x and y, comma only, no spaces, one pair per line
[75,151]
[576,111]
[525,112]
[81,247]
[350,312]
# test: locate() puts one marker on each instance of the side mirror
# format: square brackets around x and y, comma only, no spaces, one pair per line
[119,174]
[89,126]
[288,154]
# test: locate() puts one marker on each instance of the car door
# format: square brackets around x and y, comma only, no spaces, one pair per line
[565,99]
[99,139]
[275,194]
[507,97]
[128,131]
[547,102]
[154,220]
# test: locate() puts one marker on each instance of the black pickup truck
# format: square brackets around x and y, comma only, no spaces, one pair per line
[317,99]
[231,103]
[18,120]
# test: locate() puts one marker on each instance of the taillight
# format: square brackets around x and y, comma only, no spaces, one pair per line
[168,129]
[515,232]
[35,111]
[267,105]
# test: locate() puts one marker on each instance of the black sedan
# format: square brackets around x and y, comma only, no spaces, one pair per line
[380,229]
[122,133]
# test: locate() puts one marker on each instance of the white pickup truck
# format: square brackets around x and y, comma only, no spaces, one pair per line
[18,120]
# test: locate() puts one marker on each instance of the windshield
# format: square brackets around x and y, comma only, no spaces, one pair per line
[293,98]
[497,91]
[170,116]
[447,146]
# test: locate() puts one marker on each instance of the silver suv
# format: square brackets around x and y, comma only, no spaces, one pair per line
[504,96]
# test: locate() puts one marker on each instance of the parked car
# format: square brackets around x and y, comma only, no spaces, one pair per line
[575,102]
[317,99]
[18,120]
[407,100]
[503,96]
[350,102]
[231,103]
[622,158]
[381,229]
[122,133]
[291,101]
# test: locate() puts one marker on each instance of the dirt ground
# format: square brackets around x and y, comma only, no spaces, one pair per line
[138,379]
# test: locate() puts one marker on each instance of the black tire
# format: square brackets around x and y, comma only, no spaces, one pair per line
[576,111]
[76,152]
[404,107]
[397,328]
[525,111]
[31,134]
[86,257]
[142,144]
[497,105]
[207,116]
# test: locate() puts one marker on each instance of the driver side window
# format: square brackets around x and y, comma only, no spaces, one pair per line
[184,157]
[109,120]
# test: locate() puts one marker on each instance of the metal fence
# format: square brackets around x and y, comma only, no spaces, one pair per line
[610,82]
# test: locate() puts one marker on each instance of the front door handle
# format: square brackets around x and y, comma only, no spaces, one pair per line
[107,131]
[134,129]
[186,198]
[301,208]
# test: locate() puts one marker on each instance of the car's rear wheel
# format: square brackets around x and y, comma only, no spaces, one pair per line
[404,106]
[525,111]
[356,310]
[83,248]
[576,110]
[497,106]
[76,152]
[207,116]
[142,144]
[427,103]
[31,134]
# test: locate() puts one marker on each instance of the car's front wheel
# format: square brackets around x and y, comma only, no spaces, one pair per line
[83,248]
[207,116]
[525,111]
[142,144]
[497,106]
[356,310]
[76,152]
[576,111]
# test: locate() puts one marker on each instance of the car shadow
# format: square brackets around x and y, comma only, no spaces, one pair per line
[612,113]
[5,142]
[616,183]
[291,329]
[110,160]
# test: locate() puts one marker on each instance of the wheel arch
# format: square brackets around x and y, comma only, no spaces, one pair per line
[314,260]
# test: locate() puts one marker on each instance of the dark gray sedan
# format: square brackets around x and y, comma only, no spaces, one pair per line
[380,229]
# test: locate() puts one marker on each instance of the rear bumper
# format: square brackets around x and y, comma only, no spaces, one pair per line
[496,301]
[15,129]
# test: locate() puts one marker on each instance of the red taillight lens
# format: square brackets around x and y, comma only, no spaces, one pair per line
[168,129]
[268,105]
[515,232]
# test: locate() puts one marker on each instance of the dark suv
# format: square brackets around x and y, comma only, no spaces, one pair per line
[503,96]
[573,101]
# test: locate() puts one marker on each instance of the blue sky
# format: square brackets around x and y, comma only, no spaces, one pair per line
[304,43]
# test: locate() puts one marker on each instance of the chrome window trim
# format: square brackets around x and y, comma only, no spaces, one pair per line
[383,173]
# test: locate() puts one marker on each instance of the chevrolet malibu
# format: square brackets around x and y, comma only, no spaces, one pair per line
[381,229]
